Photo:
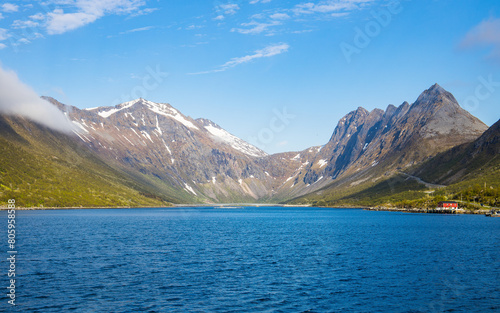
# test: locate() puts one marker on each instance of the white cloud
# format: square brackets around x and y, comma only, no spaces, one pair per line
[23,41]
[302,11]
[257,16]
[17,24]
[10,7]
[268,51]
[141,29]
[144,11]
[339,14]
[60,22]
[1,16]
[38,17]
[485,34]
[229,9]
[16,98]
[279,16]
[226,9]
[256,27]
[2,46]
[88,11]
[3,34]
[329,6]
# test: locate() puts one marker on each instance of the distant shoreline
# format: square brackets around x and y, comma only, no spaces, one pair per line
[226,205]
[256,205]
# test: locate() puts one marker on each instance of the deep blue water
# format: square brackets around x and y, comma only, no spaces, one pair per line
[253,260]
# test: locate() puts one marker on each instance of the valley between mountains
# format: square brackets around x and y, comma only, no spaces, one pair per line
[142,153]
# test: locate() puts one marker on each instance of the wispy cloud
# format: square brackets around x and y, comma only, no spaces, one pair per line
[485,34]
[279,16]
[4,34]
[267,52]
[18,24]
[266,21]
[226,9]
[259,1]
[145,11]
[229,9]
[2,46]
[135,30]
[60,21]
[255,27]
[16,98]
[329,6]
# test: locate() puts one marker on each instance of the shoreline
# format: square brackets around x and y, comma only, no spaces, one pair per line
[430,211]
[257,205]
[225,205]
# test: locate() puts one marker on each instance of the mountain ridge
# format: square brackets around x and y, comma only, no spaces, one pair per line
[196,160]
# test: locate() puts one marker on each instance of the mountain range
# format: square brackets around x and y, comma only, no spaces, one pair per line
[142,153]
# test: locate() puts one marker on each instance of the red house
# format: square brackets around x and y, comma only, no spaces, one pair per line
[450,205]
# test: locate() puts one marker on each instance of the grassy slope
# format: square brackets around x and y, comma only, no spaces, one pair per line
[39,167]
[401,191]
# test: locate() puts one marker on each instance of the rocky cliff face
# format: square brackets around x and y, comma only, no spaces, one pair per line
[371,145]
[197,160]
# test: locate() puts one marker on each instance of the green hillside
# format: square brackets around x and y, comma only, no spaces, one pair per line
[40,167]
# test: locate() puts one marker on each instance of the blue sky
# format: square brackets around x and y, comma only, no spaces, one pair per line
[245,64]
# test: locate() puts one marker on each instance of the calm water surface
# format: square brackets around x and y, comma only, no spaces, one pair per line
[254,260]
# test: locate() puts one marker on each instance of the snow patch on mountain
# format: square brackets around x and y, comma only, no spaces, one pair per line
[168,149]
[118,108]
[189,188]
[322,163]
[80,126]
[145,134]
[168,111]
[234,141]
[158,129]
[128,140]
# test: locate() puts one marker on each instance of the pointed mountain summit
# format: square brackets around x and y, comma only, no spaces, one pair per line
[435,95]
[438,113]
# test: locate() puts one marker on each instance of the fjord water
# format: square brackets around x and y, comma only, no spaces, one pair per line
[254,260]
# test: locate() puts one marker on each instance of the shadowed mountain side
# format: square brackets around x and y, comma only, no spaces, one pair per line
[463,161]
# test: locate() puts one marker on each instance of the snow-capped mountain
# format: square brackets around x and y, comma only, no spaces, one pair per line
[186,157]
[197,160]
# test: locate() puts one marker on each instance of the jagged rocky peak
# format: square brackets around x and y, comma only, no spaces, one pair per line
[390,110]
[438,113]
[437,88]
[436,95]
[354,117]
